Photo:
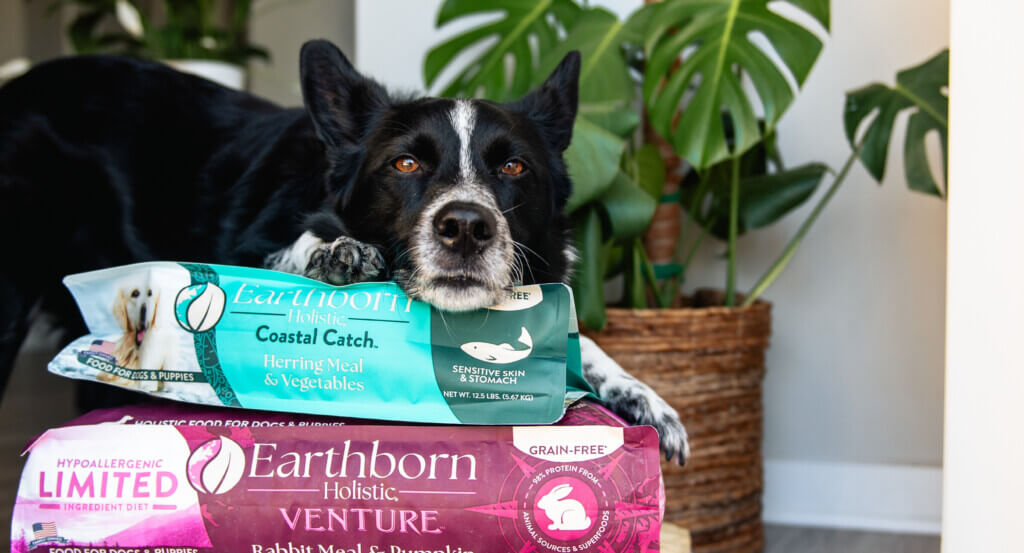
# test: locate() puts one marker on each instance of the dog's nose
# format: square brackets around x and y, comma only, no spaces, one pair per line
[464,227]
[142,317]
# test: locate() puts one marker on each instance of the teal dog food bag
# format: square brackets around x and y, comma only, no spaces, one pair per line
[260,339]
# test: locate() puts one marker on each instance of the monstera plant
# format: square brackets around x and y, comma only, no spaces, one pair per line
[679,106]
[712,78]
[869,121]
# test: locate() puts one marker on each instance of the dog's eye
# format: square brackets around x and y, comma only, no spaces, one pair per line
[135,293]
[149,293]
[406,164]
[513,167]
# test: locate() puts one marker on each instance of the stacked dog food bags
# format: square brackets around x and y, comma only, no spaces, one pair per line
[373,423]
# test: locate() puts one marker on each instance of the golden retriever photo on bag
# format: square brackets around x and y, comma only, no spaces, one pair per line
[146,342]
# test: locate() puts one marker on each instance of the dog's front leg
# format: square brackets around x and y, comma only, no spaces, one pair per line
[342,260]
[633,400]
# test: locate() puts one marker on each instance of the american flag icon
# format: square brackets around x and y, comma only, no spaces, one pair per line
[103,346]
[43,530]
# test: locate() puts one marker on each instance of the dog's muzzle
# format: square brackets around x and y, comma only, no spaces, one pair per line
[463,255]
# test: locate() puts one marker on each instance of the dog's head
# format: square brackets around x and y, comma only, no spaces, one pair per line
[135,309]
[463,197]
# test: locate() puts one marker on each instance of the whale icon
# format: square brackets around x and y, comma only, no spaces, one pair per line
[500,353]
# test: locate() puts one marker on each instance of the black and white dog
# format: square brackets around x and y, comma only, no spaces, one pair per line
[106,161]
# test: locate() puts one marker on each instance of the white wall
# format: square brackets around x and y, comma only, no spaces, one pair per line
[282,26]
[12,40]
[31,30]
[984,483]
[855,367]
[855,379]
[854,388]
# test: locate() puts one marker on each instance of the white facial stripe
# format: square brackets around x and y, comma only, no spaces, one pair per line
[463,118]
[494,267]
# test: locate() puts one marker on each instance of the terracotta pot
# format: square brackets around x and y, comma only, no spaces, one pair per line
[707,361]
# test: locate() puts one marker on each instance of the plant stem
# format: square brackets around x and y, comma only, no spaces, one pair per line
[734,213]
[773,272]
[698,241]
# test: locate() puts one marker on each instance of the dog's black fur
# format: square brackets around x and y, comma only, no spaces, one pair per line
[106,161]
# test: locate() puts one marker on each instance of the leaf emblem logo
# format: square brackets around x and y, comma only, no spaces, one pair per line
[216,466]
[199,307]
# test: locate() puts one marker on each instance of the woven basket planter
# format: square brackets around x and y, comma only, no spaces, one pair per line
[708,363]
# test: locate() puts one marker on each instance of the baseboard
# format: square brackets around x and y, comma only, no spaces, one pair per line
[884,498]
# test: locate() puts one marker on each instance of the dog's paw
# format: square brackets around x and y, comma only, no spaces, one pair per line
[345,261]
[639,405]
[634,401]
[675,444]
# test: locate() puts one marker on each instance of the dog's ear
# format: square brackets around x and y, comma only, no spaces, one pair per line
[340,101]
[120,311]
[553,106]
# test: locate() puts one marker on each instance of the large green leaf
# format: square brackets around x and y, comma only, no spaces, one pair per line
[605,82]
[598,33]
[593,161]
[715,36]
[767,198]
[530,36]
[525,29]
[588,280]
[628,207]
[764,198]
[705,195]
[614,117]
[921,89]
[646,168]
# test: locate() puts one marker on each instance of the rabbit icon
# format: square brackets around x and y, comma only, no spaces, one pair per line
[565,514]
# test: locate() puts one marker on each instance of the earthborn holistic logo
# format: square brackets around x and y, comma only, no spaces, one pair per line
[216,466]
[199,307]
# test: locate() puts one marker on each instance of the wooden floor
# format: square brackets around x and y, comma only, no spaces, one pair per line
[791,539]
[36,400]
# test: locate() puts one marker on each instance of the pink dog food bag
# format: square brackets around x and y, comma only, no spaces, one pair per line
[171,479]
